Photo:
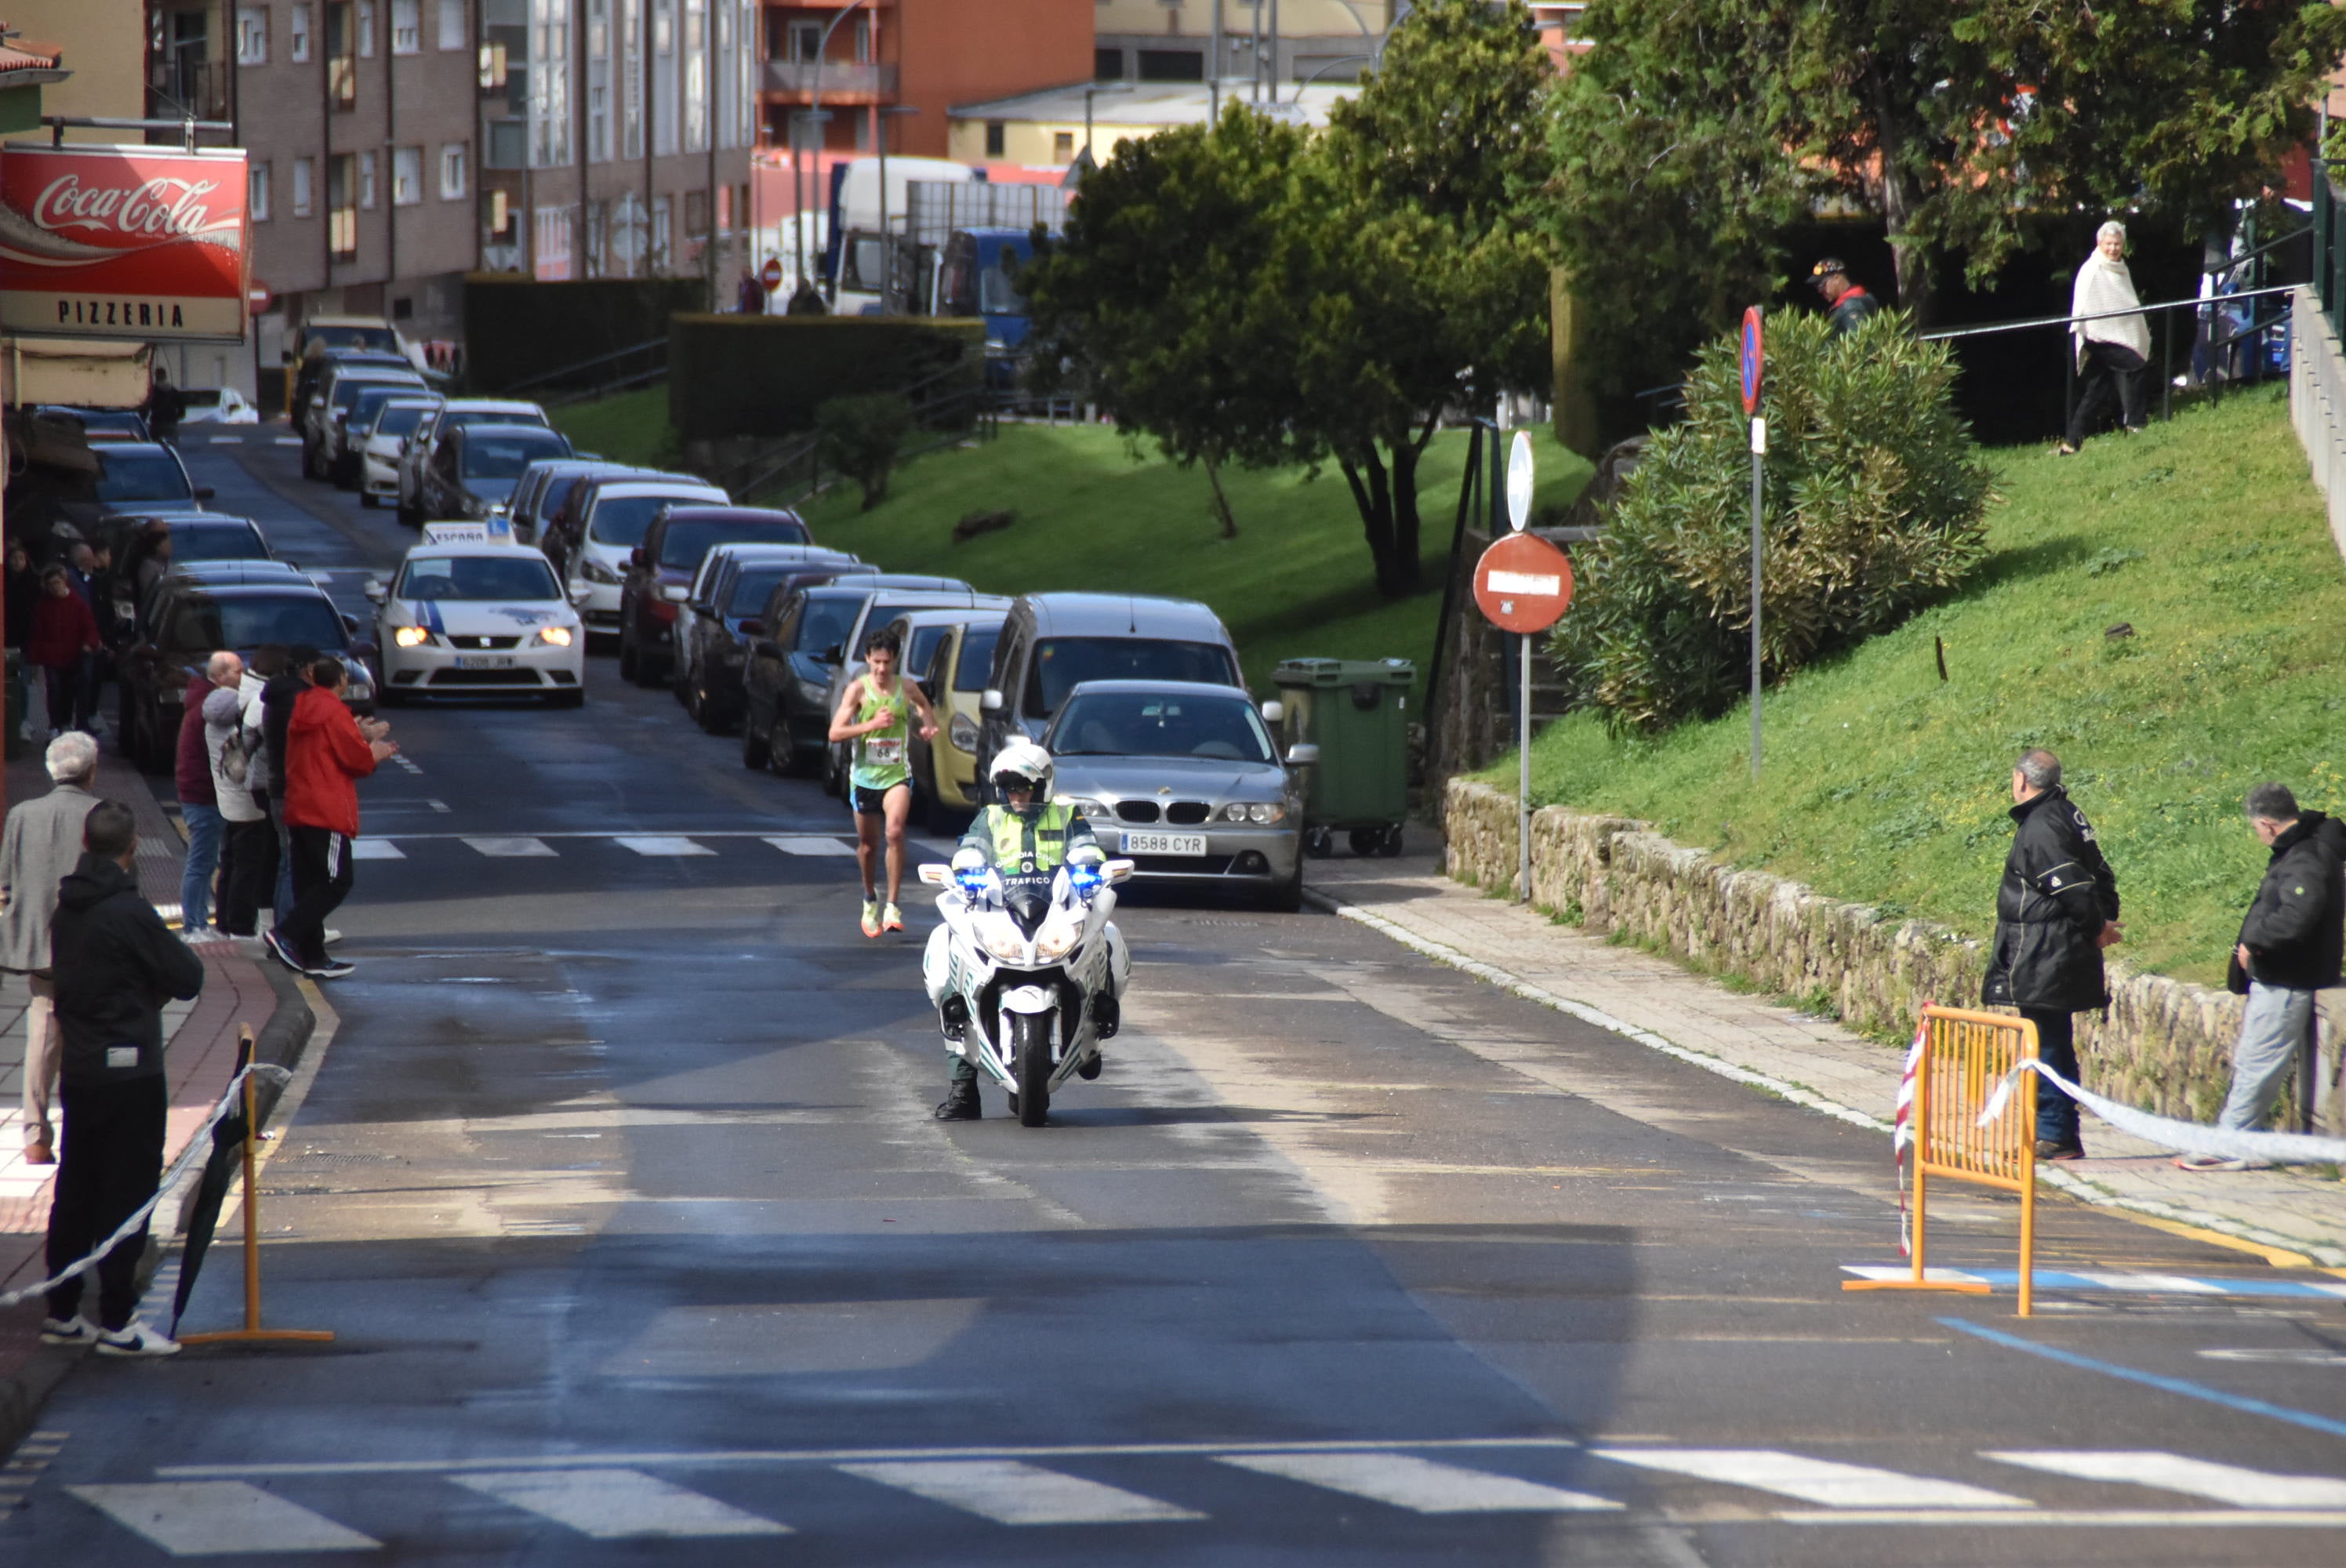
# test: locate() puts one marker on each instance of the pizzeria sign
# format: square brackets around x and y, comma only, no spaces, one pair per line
[153,244]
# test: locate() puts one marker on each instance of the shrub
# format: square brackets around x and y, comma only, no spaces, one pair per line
[859,437]
[1875,494]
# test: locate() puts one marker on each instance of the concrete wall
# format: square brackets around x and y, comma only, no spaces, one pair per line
[2164,1044]
[104,44]
[2317,402]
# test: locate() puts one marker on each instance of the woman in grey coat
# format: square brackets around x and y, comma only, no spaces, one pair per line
[40,845]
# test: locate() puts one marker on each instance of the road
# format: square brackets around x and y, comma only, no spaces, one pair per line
[616,1183]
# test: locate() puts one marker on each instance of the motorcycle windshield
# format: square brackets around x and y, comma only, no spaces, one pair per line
[1027,898]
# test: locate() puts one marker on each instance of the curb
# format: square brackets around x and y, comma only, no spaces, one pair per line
[2281,1251]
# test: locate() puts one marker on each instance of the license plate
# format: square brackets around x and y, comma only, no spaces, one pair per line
[495,661]
[1165,843]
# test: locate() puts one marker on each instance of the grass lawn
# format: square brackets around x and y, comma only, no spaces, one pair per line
[631,427]
[1884,785]
[1295,583]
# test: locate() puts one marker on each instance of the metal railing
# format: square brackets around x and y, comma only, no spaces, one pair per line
[950,406]
[621,370]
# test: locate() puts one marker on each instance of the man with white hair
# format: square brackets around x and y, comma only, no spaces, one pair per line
[40,845]
[198,799]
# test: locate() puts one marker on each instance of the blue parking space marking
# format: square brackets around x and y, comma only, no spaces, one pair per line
[2119,1283]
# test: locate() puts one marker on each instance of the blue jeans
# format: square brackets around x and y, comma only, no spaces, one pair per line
[2056,1047]
[2278,1024]
[203,858]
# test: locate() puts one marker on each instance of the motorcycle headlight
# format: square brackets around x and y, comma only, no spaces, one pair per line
[1054,940]
[594,570]
[962,732]
[1005,944]
[558,635]
[410,636]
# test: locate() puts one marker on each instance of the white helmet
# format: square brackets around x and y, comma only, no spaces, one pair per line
[1027,763]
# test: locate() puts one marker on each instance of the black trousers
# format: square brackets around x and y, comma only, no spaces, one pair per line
[248,867]
[2056,1046]
[321,881]
[107,1164]
[2107,366]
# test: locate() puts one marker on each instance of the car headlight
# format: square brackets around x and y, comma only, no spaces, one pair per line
[558,635]
[1083,805]
[962,732]
[594,570]
[1240,811]
[410,636]
[1005,945]
[361,687]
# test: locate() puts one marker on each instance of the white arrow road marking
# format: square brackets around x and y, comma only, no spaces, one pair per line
[1011,1492]
[1420,1485]
[618,1504]
[219,1518]
[1820,1481]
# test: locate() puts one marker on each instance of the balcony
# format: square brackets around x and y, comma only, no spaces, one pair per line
[183,89]
[842,79]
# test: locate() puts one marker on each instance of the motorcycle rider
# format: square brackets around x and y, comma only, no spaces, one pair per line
[1022,831]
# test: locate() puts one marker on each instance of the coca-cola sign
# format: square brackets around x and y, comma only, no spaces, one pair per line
[123,242]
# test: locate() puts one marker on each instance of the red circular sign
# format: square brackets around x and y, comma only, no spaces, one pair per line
[770,274]
[1523,583]
[258,299]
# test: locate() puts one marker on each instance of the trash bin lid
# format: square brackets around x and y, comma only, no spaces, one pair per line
[1334,672]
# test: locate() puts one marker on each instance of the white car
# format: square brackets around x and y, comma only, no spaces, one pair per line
[472,613]
[446,417]
[395,423]
[614,525]
[217,405]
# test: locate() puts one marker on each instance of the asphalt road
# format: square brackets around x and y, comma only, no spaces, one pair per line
[617,1184]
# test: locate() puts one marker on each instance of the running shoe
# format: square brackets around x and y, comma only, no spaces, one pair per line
[892,918]
[870,917]
[278,949]
[76,1330]
[332,969]
[136,1338]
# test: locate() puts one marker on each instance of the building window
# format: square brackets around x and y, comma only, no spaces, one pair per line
[366,180]
[365,25]
[257,190]
[806,42]
[406,176]
[508,144]
[252,34]
[995,138]
[453,35]
[452,171]
[406,30]
[1063,147]
[300,53]
[1172,66]
[863,40]
[301,177]
[341,210]
[1107,65]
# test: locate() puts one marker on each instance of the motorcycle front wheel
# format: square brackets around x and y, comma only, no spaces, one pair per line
[1030,1035]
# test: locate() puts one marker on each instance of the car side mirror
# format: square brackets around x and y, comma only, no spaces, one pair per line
[636,557]
[351,625]
[580,593]
[991,702]
[1274,712]
[205,492]
[836,654]
[375,592]
[675,593]
[1302,756]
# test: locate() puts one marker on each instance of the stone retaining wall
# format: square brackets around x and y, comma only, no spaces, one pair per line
[2165,1045]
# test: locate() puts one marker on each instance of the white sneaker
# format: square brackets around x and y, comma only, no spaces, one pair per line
[333,936]
[76,1330]
[136,1338]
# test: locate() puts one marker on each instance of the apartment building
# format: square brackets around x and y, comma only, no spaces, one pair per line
[904,64]
[1281,42]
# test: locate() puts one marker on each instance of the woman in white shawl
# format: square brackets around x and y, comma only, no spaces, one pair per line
[2109,348]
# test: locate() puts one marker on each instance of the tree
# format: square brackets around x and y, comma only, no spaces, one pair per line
[1170,291]
[860,436]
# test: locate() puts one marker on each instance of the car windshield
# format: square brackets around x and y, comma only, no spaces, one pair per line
[141,476]
[371,399]
[624,520]
[199,624]
[750,586]
[381,338]
[1159,724]
[1062,664]
[216,541]
[459,419]
[685,543]
[102,421]
[826,623]
[500,578]
[504,456]
[350,389]
[976,661]
[996,294]
[400,418]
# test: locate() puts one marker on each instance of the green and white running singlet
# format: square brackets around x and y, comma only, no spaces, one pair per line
[881,758]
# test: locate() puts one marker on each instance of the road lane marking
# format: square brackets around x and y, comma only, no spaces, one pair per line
[1009,1491]
[1420,1485]
[376,849]
[659,844]
[811,845]
[2120,1519]
[2229,1483]
[618,1504]
[1820,1481]
[2183,1386]
[219,1518]
[512,848]
[2119,1283]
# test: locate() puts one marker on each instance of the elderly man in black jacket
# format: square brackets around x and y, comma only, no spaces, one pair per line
[116,965]
[2289,947]
[2056,910]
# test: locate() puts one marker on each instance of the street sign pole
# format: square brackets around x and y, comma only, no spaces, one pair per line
[1753,360]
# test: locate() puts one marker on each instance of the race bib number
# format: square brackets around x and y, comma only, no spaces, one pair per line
[883,753]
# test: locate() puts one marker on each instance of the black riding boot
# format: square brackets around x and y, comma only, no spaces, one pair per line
[960,1103]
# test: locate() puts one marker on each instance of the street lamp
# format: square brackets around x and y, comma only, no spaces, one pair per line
[1090,93]
[821,53]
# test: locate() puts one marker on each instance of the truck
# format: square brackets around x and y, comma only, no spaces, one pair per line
[871,263]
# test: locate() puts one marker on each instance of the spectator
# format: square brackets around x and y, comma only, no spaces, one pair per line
[167,405]
[248,860]
[2056,910]
[116,965]
[750,295]
[199,800]
[283,689]
[23,592]
[807,300]
[63,643]
[2289,947]
[154,560]
[2112,349]
[40,844]
[1849,306]
[328,754]
[82,558]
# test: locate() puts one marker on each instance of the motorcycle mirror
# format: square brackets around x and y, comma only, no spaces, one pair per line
[1117,871]
[991,702]
[936,876]
[1273,711]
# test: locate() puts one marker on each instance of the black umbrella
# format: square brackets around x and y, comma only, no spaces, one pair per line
[229,1134]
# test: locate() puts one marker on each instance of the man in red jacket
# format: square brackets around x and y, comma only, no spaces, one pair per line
[327,752]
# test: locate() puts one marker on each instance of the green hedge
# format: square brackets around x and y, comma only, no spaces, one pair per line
[764,375]
[516,327]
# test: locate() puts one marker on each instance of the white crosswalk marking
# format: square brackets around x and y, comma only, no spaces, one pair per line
[618,1504]
[1820,1481]
[376,849]
[1420,1485]
[2170,1284]
[512,848]
[219,1518]
[1009,1491]
[660,844]
[2232,1483]
[798,844]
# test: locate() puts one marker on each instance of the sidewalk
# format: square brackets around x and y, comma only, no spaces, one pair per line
[201,1057]
[1812,1061]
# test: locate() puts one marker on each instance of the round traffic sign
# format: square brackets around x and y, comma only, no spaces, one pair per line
[258,299]
[1752,360]
[1523,583]
[770,274]
[1519,482]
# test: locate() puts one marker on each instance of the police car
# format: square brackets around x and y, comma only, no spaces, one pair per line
[472,614]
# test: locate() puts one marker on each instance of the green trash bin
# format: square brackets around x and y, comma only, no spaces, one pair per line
[1356,711]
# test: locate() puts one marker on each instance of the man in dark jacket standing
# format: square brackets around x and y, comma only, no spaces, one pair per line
[1848,305]
[116,965]
[2056,910]
[2290,946]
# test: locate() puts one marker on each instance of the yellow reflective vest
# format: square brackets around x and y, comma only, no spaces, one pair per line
[1037,841]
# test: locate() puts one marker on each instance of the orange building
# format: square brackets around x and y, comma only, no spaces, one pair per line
[904,63]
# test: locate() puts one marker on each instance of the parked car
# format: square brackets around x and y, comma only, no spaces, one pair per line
[471,475]
[331,403]
[557,512]
[884,606]
[193,618]
[786,673]
[541,488]
[1185,780]
[661,571]
[346,437]
[97,424]
[603,521]
[313,366]
[478,619]
[944,771]
[217,405]
[452,414]
[721,616]
[143,476]
[1054,642]
[396,421]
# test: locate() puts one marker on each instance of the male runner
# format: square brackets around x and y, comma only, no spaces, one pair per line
[876,713]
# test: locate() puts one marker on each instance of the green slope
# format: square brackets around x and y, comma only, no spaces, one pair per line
[1885,785]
